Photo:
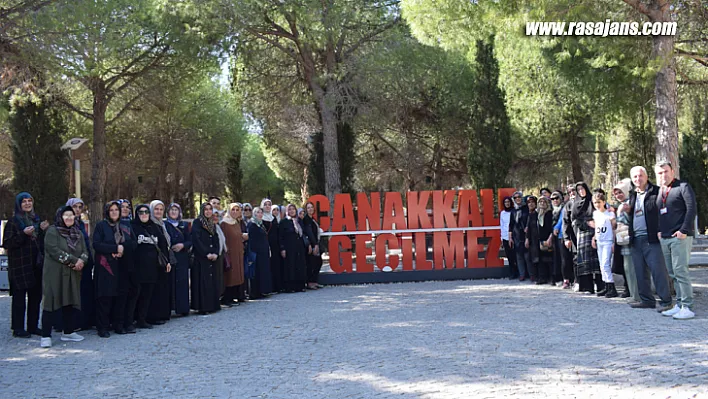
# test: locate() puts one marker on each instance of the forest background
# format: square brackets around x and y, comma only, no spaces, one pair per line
[244,99]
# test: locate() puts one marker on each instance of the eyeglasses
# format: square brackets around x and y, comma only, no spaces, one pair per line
[143,212]
[67,217]
[517,197]
[555,198]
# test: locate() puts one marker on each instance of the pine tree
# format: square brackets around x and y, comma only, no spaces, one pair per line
[489,154]
[694,161]
[40,165]
[347,159]
[234,175]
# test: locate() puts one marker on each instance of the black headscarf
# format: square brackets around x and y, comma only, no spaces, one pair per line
[510,207]
[137,220]
[581,205]
[115,225]
[72,234]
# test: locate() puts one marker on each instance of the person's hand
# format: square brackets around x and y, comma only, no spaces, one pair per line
[591,223]
[245,236]
[623,208]
[44,225]
[679,235]
[613,249]
[511,242]
[28,230]
[168,268]
[79,265]
[177,247]
[549,243]
[121,249]
[594,244]
[526,230]
[658,235]
[555,232]
[316,251]
[282,253]
[526,243]
[568,244]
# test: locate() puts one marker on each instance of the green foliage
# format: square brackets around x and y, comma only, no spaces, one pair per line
[40,166]
[489,154]
[259,181]
[694,159]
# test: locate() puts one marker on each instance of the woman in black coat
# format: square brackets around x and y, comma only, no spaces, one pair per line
[151,253]
[110,244]
[314,257]
[181,240]
[270,222]
[262,282]
[292,249]
[206,289]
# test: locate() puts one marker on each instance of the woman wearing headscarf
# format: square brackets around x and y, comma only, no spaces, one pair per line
[23,239]
[86,317]
[545,241]
[275,211]
[126,210]
[517,234]
[161,303]
[292,249]
[270,223]
[66,255]
[151,254]
[223,250]
[181,241]
[314,257]
[205,243]
[588,264]
[111,244]
[504,221]
[247,212]
[262,282]
[562,257]
[532,238]
[621,192]
[234,280]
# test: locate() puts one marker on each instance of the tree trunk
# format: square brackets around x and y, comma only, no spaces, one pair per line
[666,119]
[327,106]
[575,163]
[98,165]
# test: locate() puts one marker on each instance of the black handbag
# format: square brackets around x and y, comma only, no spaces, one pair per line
[162,260]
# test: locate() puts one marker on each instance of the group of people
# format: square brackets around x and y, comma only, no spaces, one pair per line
[141,266]
[580,238]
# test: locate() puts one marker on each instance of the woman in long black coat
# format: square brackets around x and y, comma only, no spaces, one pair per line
[314,257]
[110,244]
[206,289]
[161,304]
[181,240]
[292,249]
[151,246]
[262,282]
[270,222]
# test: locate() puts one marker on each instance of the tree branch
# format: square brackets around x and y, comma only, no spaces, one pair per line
[125,108]
[371,35]
[67,104]
[699,58]
[114,79]
[638,6]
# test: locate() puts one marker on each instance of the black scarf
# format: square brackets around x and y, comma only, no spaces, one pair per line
[72,234]
[581,205]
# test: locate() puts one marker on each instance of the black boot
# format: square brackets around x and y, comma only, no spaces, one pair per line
[603,292]
[611,291]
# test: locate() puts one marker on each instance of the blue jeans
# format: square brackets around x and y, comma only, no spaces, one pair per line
[522,261]
[648,261]
[677,254]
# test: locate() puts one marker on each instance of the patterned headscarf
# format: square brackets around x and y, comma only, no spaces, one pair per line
[296,220]
[208,223]
[130,210]
[159,222]
[72,234]
[115,225]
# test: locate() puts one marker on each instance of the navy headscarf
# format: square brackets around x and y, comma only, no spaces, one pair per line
[25,219]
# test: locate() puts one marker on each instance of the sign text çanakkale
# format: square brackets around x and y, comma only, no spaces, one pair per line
[458,222]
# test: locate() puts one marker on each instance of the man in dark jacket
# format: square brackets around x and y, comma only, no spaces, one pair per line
[677,211]
[646,249]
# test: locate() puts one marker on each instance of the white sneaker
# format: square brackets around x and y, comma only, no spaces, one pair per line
[684,314]
[576,287]
[72,337]
[671,311]
[45,342]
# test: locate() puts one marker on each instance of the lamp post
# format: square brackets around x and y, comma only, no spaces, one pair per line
[76,151]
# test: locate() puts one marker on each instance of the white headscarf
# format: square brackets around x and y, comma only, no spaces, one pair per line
[160,222]
[267,217]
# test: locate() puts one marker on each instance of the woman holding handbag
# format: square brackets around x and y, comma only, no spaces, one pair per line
[151,259]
